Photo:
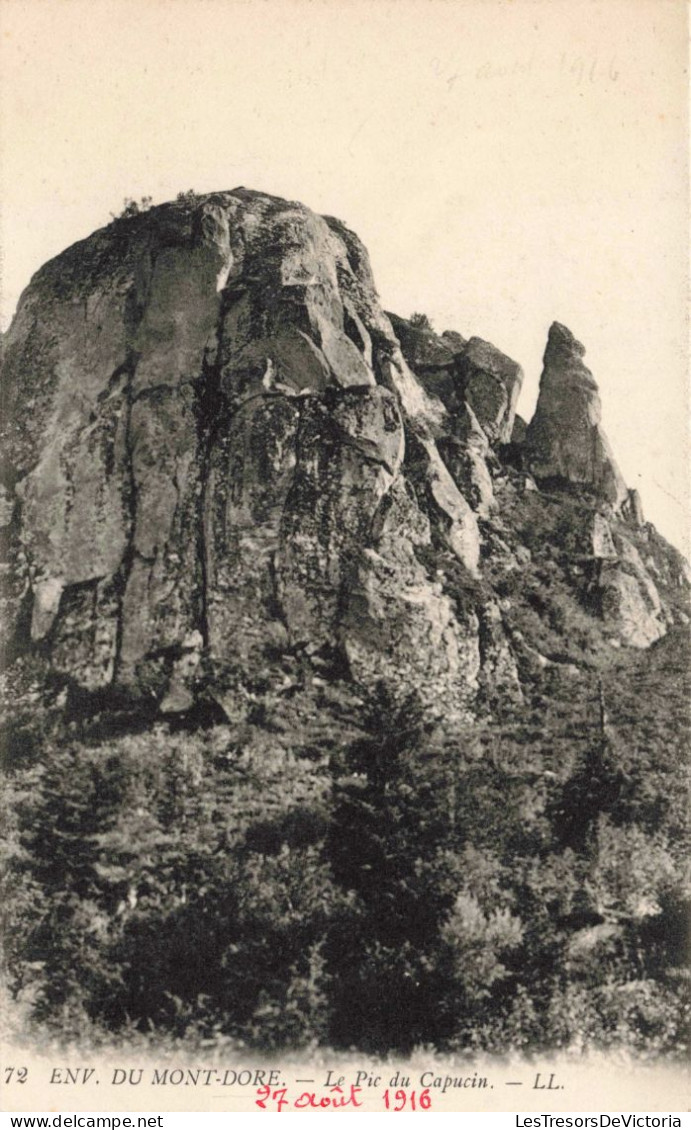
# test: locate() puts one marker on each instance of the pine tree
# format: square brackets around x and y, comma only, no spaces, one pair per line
[391,845]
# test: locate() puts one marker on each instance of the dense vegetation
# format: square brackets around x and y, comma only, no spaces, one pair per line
[516,884]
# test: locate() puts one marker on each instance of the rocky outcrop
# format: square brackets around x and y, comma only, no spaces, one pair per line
[425,351]
[400,625]
[466,452]
[629,602]
[464,374]
[600,541]
[206,411]
[631,605]
[229,473]
[491,383]
[519,429]
[632,509]
[478,386]
[564,440]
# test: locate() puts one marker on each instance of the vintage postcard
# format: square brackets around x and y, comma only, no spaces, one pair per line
[346,597]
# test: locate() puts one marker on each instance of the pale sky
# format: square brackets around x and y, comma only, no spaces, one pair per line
[506,162]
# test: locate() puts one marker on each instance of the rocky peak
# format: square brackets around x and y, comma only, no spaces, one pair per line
[562,346]
[564,440]
[209,416]
[229,473]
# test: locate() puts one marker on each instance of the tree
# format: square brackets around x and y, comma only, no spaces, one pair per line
[396,847]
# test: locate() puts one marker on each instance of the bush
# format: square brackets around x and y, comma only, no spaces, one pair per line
[420,322]
[132,207]
[189,197]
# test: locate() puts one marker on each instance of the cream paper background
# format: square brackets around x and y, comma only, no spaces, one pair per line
[506,162]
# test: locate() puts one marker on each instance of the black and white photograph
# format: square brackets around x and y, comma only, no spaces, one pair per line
[344,418]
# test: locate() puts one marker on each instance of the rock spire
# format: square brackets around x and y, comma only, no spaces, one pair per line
[565,440]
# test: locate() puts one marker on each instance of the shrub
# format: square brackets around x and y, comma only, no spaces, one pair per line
[190,197]
[420,322]
[132,207]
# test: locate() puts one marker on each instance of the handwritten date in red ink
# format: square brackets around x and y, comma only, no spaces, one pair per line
[336,1098]
[407,1100]
[276,1099]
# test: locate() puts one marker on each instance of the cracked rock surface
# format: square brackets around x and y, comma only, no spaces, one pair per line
[219,451]
[206,415]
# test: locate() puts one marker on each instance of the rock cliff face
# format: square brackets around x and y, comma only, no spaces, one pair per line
[228,473]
